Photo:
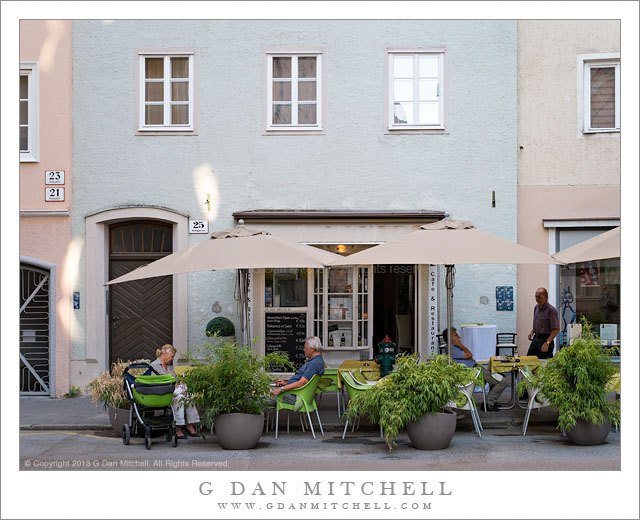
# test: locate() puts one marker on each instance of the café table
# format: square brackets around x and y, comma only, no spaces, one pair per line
[480,339]
[505,365]
[370,369]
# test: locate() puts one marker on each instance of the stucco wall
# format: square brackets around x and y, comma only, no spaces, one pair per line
[562,173]
[47,238]
[535,204]
[552,149]
[354,166]
[49,43]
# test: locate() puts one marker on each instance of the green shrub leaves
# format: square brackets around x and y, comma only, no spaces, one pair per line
[410,392]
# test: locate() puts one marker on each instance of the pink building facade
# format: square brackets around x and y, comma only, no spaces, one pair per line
[568,166]
[46,273]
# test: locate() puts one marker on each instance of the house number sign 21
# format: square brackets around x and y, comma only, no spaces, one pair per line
[54,194]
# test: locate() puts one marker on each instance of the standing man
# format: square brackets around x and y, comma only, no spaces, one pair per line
[545,326]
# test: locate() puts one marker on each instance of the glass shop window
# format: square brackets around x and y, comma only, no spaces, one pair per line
[285,287]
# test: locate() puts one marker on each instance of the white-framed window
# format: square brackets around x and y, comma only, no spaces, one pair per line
[294,91]
[600,93]
[165,91]
[29,113]
[416,90]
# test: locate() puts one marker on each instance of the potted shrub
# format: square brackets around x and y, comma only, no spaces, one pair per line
[108,390]
[221,329]
[415,396]
[575,383]
[231,385]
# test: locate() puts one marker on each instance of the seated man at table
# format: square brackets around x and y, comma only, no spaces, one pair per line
[314,366]
[461,354]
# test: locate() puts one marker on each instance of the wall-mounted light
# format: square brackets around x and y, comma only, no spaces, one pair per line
[341,248]
[208,202]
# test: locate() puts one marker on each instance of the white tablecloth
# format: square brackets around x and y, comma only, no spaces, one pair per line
[480,340]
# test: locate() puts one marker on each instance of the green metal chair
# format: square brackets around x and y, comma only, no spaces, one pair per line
[332,375]
[353,389]
[306,394]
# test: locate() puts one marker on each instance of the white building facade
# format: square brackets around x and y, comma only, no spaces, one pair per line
[341,134]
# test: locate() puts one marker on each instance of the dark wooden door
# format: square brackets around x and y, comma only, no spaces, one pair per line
[141,311]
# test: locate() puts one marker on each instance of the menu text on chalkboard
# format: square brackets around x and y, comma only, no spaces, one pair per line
[286,332]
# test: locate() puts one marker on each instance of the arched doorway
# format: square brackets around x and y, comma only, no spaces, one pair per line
[34,330]
[140,312]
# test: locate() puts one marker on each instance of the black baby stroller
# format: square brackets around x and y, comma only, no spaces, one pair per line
[151,414]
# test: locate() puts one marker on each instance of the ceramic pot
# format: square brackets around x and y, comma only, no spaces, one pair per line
[239,431]
[588,434]
[118,417]
[433,431]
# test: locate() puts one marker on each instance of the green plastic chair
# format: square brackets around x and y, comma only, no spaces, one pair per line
[353,389]
[329,383]
[306,394]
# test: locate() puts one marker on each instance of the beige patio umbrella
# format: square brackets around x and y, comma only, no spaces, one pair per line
[448,242]
[238,248]
[601,247]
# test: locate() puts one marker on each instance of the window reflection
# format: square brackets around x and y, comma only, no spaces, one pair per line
[285,288]
[591,290]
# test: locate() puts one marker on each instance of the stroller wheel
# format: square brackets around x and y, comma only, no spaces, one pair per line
[167,435]
[126,435]
[175,437]
[147,442]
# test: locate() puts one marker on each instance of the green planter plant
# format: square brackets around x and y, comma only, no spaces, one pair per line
[575,383]
[108,390]
[220,327]
[410,393]
[226,380]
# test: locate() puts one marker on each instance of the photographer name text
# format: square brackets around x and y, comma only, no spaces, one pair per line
[326,488]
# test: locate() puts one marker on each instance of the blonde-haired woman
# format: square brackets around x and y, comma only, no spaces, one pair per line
[164,365]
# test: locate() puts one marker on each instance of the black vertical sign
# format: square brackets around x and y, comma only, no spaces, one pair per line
[286,332]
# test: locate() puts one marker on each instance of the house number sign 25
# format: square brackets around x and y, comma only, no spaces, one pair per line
[54,194]
[198,226]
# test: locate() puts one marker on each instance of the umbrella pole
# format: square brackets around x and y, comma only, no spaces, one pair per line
[449,282]
[242,297]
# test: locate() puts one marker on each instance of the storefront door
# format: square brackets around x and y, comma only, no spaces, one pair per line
[394,305]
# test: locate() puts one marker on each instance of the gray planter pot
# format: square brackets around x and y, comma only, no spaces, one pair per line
[239,431]
[118,417]
[588,434]
[433,431]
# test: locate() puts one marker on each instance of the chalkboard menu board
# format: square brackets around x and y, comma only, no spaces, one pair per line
[286,332]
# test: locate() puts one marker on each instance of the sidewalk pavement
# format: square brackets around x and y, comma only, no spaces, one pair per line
[45,413]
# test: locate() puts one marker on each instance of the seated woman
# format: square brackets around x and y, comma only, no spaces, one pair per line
[164,365]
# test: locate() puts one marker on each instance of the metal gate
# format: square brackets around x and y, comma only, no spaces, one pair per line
[34,330]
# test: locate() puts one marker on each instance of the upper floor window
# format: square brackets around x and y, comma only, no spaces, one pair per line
[294,91]
[416,90]
[166,91]
[29,130]
[601,93]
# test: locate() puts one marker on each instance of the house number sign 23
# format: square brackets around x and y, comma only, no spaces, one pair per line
[54,177]
[54,194]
